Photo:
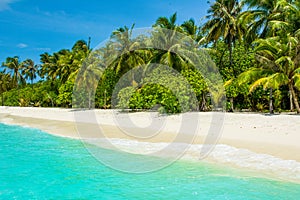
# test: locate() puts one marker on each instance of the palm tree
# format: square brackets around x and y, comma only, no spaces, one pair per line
[5,81]
[127,52]
[278,67]
[63,65]
[167,38]
[15,67]
[30,70]
[223,22]
[49,67]
[74,60]
[278,22]
[266,18]
[87,81]
[168,23]
[190,28]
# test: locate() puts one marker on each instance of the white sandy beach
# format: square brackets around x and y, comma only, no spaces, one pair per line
[276,138]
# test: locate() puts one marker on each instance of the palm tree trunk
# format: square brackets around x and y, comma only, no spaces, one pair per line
[230,55]
[271,102]
[221,59]
[231,104]
[90,99]
[294,96]
[291,101]
[105,99]
[2,98]
[89,102]
[203,103]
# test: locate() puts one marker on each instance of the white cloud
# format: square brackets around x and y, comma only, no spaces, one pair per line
[4,4]
[22,45]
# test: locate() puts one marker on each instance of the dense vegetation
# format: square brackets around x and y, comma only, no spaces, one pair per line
[254,44]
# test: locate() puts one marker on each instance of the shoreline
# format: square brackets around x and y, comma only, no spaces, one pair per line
[243,136]
[274,135]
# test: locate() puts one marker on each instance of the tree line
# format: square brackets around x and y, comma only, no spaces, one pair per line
[254,44]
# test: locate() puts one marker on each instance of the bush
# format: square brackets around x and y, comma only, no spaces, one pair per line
[163,87]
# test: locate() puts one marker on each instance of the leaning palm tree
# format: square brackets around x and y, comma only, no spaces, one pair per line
[277,56]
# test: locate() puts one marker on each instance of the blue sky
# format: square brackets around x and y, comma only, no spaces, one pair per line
[29,28]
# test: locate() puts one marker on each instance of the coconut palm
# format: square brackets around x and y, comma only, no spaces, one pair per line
[167,38]
[14,67]
[49,67]
[277,21]
[168,23]
[126,51]
[74,60]
[190,28]
[30,70]
[266,18]
[278,66]
[86,82]
[223,22]
[5,80]
[58,66]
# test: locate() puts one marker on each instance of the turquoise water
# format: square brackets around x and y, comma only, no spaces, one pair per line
[35,165]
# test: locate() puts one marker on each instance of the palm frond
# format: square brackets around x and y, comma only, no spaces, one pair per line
[296,78]
[252,75]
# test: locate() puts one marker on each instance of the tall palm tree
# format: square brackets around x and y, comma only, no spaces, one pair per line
[223,22]
[86,82]
[127,52]
[74,60]
[167,38]
[14,67]
[30,70]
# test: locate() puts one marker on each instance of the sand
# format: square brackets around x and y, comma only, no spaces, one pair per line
[276,135]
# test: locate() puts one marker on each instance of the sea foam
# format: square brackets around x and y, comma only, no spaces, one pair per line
[220,153]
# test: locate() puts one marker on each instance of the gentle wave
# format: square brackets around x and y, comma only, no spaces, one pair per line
[221,153]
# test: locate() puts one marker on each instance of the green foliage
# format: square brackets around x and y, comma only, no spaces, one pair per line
[149,97]
[105,88]
[163,88]
[255,49]
[39,94]
[242,60]
[64,97]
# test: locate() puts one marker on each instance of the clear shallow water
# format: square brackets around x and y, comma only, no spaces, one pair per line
[35,165]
